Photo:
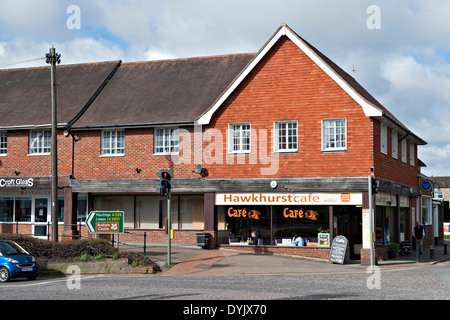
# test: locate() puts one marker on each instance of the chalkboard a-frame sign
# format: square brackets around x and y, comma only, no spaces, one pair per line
[340,250]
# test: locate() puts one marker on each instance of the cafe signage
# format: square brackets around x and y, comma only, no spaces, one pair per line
[309,214]
[340,251]
[243,213]
[346,198]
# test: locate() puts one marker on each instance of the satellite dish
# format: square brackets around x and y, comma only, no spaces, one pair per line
[198,169]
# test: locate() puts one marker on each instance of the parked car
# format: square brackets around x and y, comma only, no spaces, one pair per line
[16,262]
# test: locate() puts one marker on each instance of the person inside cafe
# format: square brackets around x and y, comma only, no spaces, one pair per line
[298,241]
[253,240]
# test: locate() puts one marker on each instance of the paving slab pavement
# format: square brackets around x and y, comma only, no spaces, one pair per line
[191,260]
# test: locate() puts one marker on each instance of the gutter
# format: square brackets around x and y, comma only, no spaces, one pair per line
[137,125]
[408,132]
[34,126]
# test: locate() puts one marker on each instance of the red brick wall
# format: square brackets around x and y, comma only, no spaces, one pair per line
[322,253]
[392,169]
[89,164]
[287,85]
[17,158]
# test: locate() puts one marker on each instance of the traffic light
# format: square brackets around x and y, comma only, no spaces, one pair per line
[375,185]
[165,177]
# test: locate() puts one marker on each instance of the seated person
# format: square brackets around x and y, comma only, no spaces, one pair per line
[298,241]
[253,240]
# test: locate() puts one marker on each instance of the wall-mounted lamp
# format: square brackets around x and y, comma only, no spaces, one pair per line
[16,172]
[67,133]
[202,172]
[138,170]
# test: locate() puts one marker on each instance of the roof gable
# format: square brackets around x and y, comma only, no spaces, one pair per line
[284,30]
[370,106]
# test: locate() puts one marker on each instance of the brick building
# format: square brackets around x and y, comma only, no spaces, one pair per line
[281,141]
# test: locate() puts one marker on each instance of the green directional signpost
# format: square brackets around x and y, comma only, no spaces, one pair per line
[105,222]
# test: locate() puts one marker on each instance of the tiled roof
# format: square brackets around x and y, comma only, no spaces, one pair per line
[441,182]
[25,94]
[163,92]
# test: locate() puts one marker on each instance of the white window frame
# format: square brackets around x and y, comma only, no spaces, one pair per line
[237,143]
[404,150]
[166,141]
[3,143]
[325,143]
[395,144]
[290,136]
[383,138]
[115,146]
[438,194]
[411,154]
[40,142]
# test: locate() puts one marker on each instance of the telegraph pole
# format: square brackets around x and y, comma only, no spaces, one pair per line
[53,58]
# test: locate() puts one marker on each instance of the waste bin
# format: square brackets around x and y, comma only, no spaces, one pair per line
[405,247]
[203,240]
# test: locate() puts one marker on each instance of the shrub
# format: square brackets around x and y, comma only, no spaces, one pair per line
[76,249]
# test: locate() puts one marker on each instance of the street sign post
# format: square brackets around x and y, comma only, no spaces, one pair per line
[105,222]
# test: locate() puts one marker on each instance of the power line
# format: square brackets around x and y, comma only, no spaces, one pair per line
[9,64]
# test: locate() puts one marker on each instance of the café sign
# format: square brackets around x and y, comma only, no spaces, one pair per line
[338,198]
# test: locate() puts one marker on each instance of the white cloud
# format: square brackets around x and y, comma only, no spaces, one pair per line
[81,50]
[409,77]
[2,49]
[78,50]
[420,93]
[436,159]
[158,54]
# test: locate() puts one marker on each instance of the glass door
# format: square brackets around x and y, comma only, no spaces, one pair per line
[41,217]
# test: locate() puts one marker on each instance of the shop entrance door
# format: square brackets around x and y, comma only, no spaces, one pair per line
[348,223]
[41,217]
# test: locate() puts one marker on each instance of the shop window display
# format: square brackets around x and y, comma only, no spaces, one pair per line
[276,222]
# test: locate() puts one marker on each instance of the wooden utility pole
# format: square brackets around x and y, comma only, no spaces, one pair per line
[53,58]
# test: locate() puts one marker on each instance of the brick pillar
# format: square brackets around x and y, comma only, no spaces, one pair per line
[210,218]
[70,214]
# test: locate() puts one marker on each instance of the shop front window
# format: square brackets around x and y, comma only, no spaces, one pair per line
[6,209]
[82,209]
[403,215]
[23,209]
[273,223]
[241,221]
[384,225]
[150,212]
[304,221]
[60,209]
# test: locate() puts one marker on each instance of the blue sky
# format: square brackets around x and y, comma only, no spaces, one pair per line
[405,63]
